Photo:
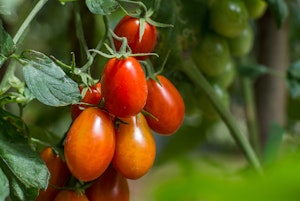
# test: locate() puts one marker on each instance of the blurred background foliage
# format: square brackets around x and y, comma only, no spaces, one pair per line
[201,161]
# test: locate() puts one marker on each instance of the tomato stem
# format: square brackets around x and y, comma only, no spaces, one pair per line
[191,70]
[251,114]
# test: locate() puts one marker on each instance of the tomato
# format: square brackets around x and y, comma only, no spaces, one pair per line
[207,108]
[68,195]
[129,27]
[255,8]
[165,103]
[59,173]
[226,78]
[228,17]
[110,186]
[242,44]
[92,96]
[135,148]
[212,55]
[90,144]
[124,87]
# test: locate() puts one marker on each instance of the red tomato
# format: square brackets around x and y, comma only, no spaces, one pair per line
[90,144]
[135,148]
[124,87]
[111,186]
[165,103]
[59,173]
[67,195]
[92,96]
[129,27]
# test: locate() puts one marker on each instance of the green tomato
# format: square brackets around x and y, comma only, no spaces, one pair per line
[212,55]
[255,8]
[208,110]
[226,78]
[228,17]
[242,44]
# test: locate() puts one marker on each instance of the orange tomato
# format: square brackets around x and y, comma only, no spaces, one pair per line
[90,144]
[135,147]
[59,173]
[111,186]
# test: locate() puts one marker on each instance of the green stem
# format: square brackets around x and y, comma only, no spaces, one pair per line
[29,18]
[80,36]
[251,114]
[197,77]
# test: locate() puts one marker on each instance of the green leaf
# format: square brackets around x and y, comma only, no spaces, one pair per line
[4,189]
[279,10]
[48,82]
[293,79]
[23,167]
[7,46]
[102,7]
[252,71]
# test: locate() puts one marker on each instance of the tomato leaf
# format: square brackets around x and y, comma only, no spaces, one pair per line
[102,7]
[7,46]
[4,190]
[252,71]
[279,10]
[48,82]
[24,169]
[293,79]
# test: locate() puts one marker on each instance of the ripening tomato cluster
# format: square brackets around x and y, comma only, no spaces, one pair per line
[229,35]
[110,139]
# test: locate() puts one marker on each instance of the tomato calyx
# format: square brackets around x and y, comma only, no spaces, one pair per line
[124,51]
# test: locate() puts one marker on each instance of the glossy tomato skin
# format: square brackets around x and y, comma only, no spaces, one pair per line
[165,103]
[124,87]
[135,148]
[129,27]
[110,186]
[92,96]
[59,173]
[90,144]
[67,195]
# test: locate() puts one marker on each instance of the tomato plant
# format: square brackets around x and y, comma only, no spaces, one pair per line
[166,105]
[92,96]
[90,144]
[135,147]
[59,173]
[129,27]
[109,186]
[124,87]
[80,80]
[68,195]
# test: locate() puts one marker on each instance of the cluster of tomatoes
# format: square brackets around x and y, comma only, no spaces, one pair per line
[229,36]
[110,139]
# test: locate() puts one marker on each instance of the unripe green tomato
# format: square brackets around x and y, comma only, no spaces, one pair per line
[242,44]
[212,55]
[255,8]
[228,17]
[206,106]
[226,78]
